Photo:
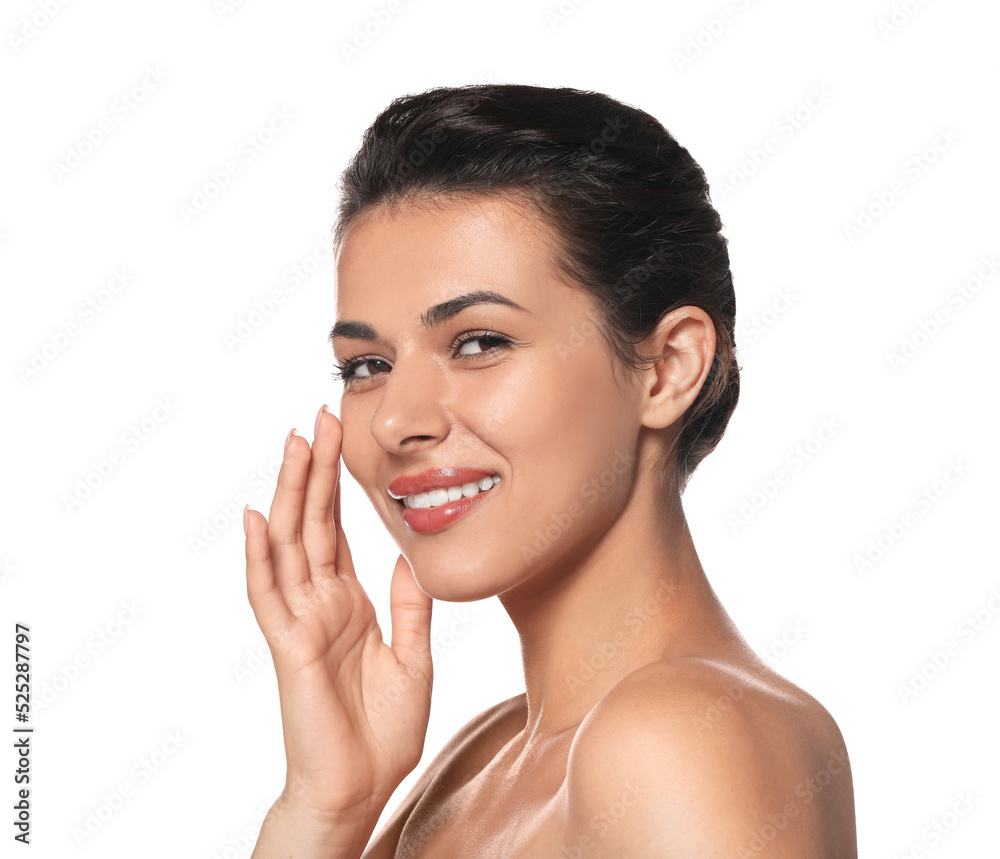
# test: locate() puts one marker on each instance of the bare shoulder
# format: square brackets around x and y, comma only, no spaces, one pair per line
[467,752]
[697,757]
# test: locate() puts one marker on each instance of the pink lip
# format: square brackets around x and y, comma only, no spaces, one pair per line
[429,520]
[435,478]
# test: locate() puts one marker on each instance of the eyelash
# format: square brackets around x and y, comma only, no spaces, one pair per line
[345,371]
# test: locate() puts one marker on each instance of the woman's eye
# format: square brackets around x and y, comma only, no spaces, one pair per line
[477,339]
[357,369]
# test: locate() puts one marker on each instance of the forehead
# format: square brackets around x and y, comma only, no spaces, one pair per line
[441,243]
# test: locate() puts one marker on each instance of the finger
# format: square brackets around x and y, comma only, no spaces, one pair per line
[410,609]
[284,529]
[268,604]
[345,563]
[319,533]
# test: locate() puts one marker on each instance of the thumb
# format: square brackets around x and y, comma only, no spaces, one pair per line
[410,610]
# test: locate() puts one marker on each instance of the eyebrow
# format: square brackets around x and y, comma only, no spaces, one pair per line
[434,316]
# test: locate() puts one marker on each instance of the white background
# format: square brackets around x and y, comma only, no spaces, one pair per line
[191,660]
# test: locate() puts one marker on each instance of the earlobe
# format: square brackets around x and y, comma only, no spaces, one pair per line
[684,340]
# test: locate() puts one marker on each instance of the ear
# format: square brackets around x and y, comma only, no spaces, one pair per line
[685,342]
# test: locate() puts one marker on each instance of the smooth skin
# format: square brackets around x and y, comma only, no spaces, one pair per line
[681,742]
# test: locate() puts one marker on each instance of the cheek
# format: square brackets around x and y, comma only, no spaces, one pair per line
[584,415]
[597,451]
[355,451]
[360,457]
[562,424]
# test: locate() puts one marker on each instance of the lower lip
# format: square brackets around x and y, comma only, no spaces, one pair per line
[427,520]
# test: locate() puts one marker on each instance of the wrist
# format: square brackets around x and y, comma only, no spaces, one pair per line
[292,828]
[303,802]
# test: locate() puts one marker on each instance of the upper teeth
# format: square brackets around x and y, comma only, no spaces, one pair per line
[437,497]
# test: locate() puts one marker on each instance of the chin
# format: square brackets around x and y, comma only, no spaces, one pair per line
[450,582]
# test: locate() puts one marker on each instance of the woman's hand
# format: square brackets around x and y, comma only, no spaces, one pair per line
[353,709]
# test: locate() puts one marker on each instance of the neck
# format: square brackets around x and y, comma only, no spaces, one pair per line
[637,596]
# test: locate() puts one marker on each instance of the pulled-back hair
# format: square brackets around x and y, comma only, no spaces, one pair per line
[629,203]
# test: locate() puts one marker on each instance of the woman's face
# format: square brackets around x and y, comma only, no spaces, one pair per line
[544,413]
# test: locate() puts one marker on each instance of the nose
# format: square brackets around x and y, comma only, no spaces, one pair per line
[411,412]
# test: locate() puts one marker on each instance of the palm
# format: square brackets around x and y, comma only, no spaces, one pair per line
[354,710]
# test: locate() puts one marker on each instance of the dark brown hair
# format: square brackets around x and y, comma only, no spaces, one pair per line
[630,204]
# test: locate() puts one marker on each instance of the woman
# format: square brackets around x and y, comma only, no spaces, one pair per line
[535,321]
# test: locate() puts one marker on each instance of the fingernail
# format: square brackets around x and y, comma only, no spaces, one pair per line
[319,414]
[291,432]
[246,520]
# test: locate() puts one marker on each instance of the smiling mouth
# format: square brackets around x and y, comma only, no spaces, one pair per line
[447,494]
